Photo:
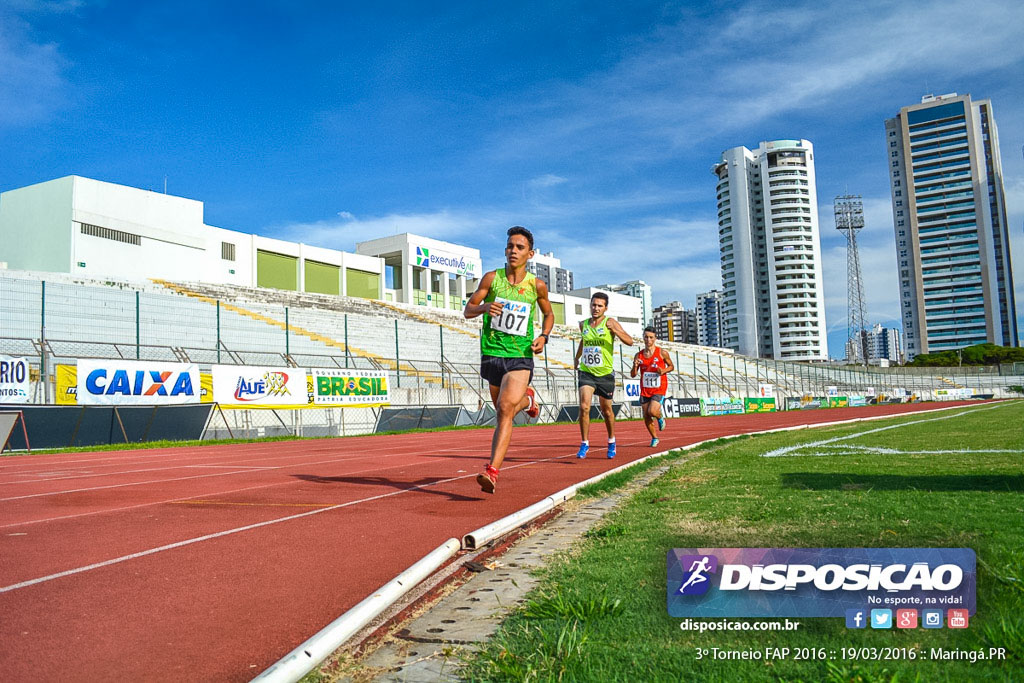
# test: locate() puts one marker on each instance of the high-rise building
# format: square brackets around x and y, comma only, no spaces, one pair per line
[549,269]
[672,322]
[709,318]
[641,290]
[884,343]
[773,301]
[949,214]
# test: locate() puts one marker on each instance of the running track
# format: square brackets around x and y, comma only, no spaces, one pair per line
[211,563]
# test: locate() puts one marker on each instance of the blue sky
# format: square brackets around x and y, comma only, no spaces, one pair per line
[594,124]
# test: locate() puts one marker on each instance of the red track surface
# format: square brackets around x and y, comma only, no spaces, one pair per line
[211,563]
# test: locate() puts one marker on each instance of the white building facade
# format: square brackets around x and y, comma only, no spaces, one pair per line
[94,229]
[773,299]
[424,271]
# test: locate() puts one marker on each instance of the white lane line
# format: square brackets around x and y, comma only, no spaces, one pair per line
[394,451]
[248,527]
[785,451]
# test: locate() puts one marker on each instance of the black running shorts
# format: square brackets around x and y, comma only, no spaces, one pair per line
[494,368]
[604,386]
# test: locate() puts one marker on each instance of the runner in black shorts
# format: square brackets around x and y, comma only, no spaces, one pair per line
[506,299]
[594,361]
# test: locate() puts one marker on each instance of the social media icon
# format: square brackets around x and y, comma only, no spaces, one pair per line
[931,618]
[906,618]
[856,618]
[957,618]
[881,618]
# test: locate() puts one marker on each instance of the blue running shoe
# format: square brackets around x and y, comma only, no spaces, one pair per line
[661,424]
[611,450]
[654,443]
[582,453]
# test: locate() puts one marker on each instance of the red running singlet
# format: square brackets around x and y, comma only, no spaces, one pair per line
[651,382]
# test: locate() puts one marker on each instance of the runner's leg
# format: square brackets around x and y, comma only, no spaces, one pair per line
[609,416]
[586,396]
[508,401]
[649,419]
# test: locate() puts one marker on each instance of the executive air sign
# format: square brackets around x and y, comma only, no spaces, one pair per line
[435,259]
[122,382]
[816,582]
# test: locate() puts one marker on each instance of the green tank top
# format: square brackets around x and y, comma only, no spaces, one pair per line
[597,349]
[510,334]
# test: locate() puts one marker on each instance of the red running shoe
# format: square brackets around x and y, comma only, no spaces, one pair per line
[532,410]
[487,479]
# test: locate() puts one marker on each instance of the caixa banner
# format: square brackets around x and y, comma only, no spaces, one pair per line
[122,382]
[816,582]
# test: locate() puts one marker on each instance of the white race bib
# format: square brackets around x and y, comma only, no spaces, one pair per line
[513,318]
[591,356]
[652,380]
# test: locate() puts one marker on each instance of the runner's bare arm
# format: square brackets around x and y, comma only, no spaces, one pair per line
[476,306]
[669,365]
[579,351]
[617,330]
[636,365]
[549,317]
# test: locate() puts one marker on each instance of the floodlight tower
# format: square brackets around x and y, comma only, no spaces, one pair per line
[849,212]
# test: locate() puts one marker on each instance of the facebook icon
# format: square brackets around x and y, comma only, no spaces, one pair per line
[856,618]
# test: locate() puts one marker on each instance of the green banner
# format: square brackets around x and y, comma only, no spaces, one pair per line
[838,401]
[759,405]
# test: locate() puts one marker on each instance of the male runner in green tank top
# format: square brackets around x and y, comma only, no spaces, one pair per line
[506,299]
[594,362]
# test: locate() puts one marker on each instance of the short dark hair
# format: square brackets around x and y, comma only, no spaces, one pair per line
[651,330]
[600,295]
[520,230]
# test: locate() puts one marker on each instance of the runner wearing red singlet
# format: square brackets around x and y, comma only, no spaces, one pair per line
[652,366]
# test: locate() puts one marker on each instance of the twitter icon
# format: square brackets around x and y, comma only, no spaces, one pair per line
[881,618]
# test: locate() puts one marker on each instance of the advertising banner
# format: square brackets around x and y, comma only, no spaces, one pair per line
[831,391]
[436,259]
[632,389]
[122,382]
[67,386]
[858,401]
[258,387]
[818,582]
[14,378]
[838,401]
[680,407]
[349,388]
[759,405]
[721,406]
[766,390]
[806,402]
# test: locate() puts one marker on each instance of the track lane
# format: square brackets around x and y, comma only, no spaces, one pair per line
[268,588]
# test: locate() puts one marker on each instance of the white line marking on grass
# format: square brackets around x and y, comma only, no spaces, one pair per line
[787,450]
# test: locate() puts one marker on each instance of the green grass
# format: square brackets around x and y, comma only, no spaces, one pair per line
[600,615]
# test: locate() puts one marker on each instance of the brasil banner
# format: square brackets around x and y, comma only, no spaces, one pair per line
[349,388]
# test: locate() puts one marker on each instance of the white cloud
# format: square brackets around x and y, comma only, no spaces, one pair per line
[700,78]
[546,180]
[32,86]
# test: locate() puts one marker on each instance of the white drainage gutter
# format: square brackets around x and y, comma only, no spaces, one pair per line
[307,656]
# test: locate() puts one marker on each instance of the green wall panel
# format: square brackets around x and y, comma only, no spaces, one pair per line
[277,271]
[362,284]
[323,278]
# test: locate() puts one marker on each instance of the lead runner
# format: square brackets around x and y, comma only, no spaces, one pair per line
[506,299]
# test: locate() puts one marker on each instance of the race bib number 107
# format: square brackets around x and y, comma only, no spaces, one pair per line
[513,318]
